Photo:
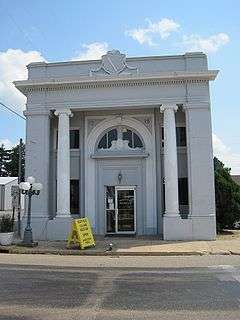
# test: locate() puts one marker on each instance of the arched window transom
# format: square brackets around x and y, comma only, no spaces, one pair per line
[120,137]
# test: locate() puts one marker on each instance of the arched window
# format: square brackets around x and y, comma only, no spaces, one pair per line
[133,139]
[120,133]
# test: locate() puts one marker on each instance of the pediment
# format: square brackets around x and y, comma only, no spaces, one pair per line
[113,63]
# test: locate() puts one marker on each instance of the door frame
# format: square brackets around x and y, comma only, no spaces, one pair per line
[117,187]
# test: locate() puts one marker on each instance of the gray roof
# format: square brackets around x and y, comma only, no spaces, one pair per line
[6,180]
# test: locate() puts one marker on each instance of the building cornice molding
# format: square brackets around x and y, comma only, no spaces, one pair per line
[163,78]
[37,112]
[191,55]
[86,105]
[112,155]
[196,105]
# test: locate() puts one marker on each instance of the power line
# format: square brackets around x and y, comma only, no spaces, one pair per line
[11,110]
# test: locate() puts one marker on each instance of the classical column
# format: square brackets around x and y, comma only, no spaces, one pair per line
[170,160]
[63,163]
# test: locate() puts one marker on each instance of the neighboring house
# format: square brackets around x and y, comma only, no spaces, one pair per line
[5,193]
[236,178]
[123,141]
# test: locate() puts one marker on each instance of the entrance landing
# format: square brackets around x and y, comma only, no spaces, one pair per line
[226,244]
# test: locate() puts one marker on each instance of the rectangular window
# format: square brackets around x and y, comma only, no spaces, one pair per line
[183,191]
[73,137]
[74,196]
[162,137]
[181,138]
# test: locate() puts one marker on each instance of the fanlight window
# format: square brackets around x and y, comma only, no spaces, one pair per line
[134,141]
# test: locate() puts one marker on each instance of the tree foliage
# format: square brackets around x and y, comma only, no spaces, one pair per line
[3,158]
[227,197]
[9,161]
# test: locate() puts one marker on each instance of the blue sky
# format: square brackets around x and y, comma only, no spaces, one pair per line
[63,30]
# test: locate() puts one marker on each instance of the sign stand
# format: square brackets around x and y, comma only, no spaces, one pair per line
[81,234]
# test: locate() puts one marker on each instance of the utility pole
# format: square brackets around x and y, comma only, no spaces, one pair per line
[19,181]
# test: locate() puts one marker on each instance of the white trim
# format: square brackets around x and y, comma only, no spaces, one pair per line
[111,155]
[206,75]
[90,166]
[116,211]
[143,58]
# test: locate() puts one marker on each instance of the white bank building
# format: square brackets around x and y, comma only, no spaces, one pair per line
[126,142]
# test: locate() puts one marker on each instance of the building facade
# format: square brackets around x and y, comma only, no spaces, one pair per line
[126,142]
[6,184]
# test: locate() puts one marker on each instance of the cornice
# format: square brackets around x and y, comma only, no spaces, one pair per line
[196,105]
[126,80]
[128,59]
[112,155]
[37,112]
[86,105]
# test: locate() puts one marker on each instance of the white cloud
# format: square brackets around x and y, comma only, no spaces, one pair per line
[225,154]
[8,144]
[92,51]
[209,45]
[162,28]
[13,67]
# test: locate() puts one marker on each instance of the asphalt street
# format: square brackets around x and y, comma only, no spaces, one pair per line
[114,291]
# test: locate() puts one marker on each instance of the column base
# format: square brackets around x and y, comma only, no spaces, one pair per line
[193,228]
[59,228]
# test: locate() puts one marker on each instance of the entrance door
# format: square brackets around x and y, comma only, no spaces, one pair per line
[120,209]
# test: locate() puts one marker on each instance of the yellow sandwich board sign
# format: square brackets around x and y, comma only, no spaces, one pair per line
[81,233]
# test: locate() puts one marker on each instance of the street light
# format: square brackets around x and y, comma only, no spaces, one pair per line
[29,188]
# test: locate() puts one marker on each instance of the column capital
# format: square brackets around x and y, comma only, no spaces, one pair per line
[164,107]
[65,111]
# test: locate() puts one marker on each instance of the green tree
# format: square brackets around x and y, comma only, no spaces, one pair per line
[12,162]
[227,197]
[3,159]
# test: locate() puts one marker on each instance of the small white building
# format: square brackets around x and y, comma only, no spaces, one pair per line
[6,184]
[126,142]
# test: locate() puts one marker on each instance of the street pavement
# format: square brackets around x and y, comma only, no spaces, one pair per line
[65,287]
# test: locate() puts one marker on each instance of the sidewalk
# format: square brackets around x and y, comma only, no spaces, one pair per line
[226,244]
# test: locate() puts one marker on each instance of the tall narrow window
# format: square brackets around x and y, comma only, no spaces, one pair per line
[181,138]
[74,196]
[162,132]
[73,139]
[183,191]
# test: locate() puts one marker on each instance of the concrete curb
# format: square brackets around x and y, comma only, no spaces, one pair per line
[66,252]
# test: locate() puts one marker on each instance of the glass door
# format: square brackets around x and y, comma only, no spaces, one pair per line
[110,210]
[121,209]
[125,209]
